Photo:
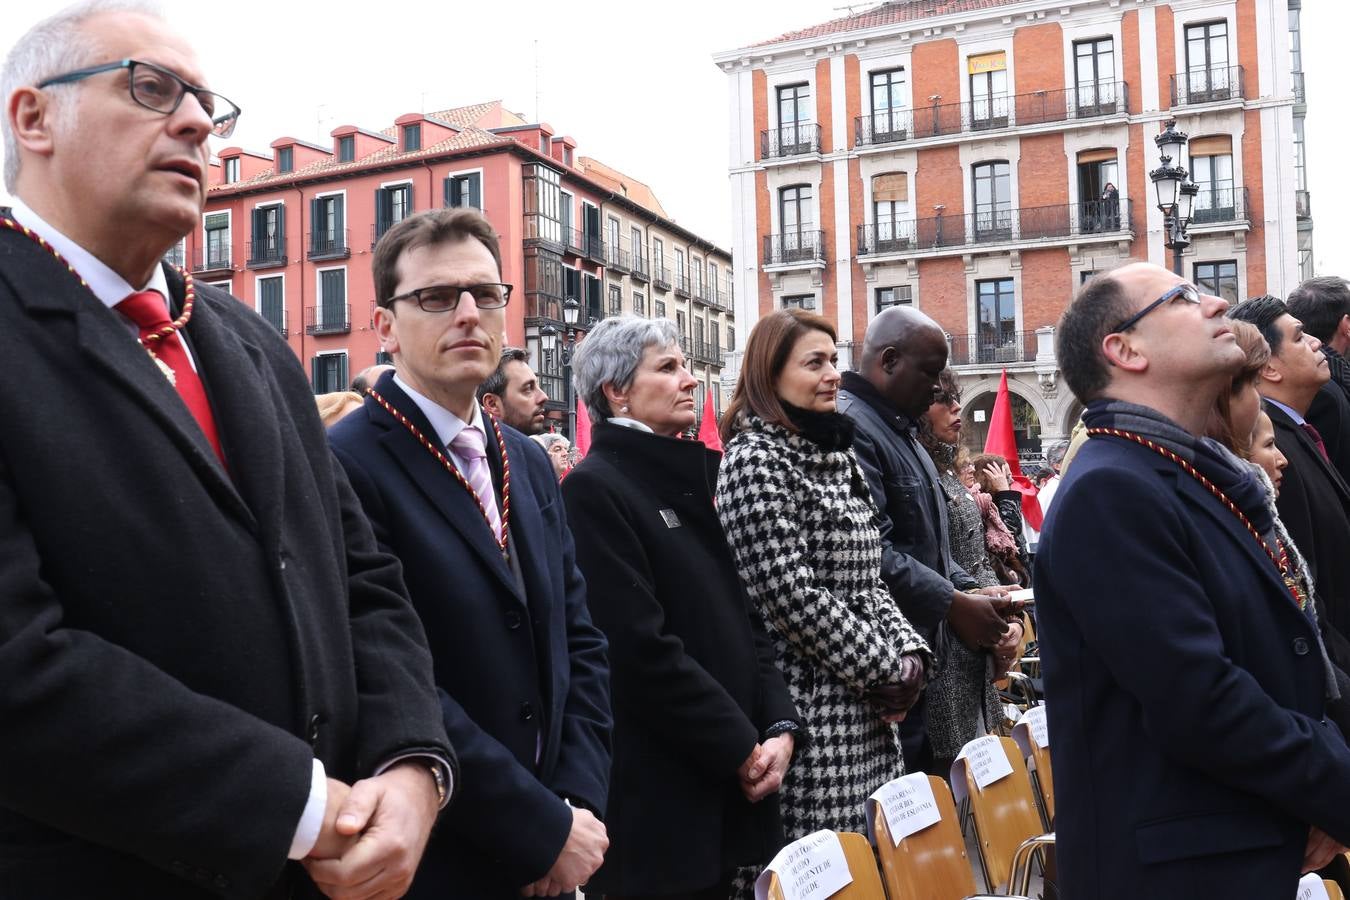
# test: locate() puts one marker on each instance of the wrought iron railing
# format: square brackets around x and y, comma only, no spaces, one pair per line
[1088,101]
[1303,204]
[616,257]
[639,269]
[794,247]
[329,245]
[1300,91]
[267,252]
[660,276]
[213,258]
[1218,206]
[1208,85]
[682,283]
[1041,223]
[328,319]
[991,346]
[794,139]
[543,231]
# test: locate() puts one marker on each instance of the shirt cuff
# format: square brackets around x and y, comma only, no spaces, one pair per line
[432,760]
[311,820]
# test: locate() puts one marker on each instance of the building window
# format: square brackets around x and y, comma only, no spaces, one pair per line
[269,234]
[731,338]
[890,211]
[286,159]
[543,284]
[1084,275]
[177,254]
[888,105]
[590,304]
[327,216]
[659,308]
[543,201]
[799,301]
[988,90]
[328,371]
[1219,279]
[332,301]
[615,300]
[217,227]
[567,156]
[992,186]
[543,144]
[1212,170]
[712,281]
[1095,74]
[384,358]
[997,319]
[271,301]
[794,112]
[635,238]
[1300,161]
[346,148]
[796,218]
[899,295]
[464,191]
[714,338]
[681,284]
[232,170]
[612,236]
[1207,72]
[392,205]
[639,303]
[659,259]
[412,137]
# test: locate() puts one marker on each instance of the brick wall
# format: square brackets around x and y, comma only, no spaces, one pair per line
[942,292]
[937,70]
[1248,58]
[1167,49]
[937,180]
[1047,286]
[1038,58]
[1129,39]
[1042,174]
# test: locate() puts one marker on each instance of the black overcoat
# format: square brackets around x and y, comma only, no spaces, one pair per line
[694,679]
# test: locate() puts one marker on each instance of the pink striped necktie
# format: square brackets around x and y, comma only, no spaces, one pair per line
[469,446]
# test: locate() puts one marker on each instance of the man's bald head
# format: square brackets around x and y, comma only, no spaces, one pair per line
[904,352]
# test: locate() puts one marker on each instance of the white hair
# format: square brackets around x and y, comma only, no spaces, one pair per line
[55,45]
[611,354]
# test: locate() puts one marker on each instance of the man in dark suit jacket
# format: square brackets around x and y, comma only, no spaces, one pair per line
[472,509]
[201,645]
[1322,304]
[904,353]
[1183,681]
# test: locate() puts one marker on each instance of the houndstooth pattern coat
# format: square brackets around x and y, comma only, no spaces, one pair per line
[801,526]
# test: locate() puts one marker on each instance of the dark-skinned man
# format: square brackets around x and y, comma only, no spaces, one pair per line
[904,352]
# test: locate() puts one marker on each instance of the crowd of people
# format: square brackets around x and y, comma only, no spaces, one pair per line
[414,647]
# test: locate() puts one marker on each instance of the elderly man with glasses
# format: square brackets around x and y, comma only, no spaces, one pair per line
[1184,681]
[209,666]
[471,507]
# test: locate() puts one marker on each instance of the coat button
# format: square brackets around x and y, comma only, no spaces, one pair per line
[513,619]
[526,712]
[314,729]
[1300,646]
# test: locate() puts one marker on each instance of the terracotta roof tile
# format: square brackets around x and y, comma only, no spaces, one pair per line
[887,14]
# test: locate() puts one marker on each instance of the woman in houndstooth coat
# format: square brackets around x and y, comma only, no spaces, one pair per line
[801,525]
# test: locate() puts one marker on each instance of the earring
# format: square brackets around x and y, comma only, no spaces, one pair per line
[623,409]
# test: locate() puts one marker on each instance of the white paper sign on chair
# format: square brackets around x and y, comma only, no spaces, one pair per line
[809,868]
[987,761]
[1310,887]
[1040,730]
[908,805]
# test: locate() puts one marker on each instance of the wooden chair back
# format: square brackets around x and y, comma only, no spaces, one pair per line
[931,864]
[862,865]
[1334,891]
[1043,778]
[1005,815]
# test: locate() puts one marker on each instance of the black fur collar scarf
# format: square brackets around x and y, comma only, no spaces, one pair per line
[829,431]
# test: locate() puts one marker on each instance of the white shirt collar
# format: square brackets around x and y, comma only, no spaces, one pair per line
[109,287]
[446,424]
[631,423]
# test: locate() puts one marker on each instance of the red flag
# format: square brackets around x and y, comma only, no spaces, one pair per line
[1002,442]
[581,442]
[707,429]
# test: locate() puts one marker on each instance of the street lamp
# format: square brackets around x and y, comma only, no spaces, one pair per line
[1176,193]
[548,342]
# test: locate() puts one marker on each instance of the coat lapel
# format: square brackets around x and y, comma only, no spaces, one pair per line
[1305,441]
[440,487]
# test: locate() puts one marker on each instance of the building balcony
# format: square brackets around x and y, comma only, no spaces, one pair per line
[593,248]
[661,277]
[617,258]
[266,253]
[213,259]
[335,318]
[575,240]
[1300,91]
[1222,209]
[541,231]
[639,269]
[991,347]
[1218,84]
[1303,204]
[714,298]
[795,250]
[682,284]
[708,352]
[543,309]
[1076,223]
[1087,102]
[788,141]
[329,245]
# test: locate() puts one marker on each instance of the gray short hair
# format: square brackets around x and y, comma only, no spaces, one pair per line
[548,439]
[55,45]
[611,354]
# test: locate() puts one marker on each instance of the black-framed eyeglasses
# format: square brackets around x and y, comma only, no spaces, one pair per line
[160,90]
[445,297]
[1188,292]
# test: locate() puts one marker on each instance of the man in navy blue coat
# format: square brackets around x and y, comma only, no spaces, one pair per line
[1185,685]
[472,509]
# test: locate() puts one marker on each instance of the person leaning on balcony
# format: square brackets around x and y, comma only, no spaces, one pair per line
[704,728]
[803,530]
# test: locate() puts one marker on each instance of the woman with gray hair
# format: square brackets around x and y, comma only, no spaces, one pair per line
[558,449]
[703,724]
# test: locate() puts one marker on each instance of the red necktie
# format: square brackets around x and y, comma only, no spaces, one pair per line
[150,313]
[1317,439]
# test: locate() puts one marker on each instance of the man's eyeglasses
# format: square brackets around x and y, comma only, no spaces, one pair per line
[1187,292]
[445,297]
[162,91]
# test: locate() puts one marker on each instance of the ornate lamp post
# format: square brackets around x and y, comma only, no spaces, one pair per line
[548,341]
[1176,193]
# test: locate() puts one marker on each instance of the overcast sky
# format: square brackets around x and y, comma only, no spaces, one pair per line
[638,91]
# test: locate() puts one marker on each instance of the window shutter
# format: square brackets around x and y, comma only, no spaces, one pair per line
[448,191]
[893,187]
[1214,145]
[316,222]
[1091,156]
[384,209]
[314,371]
[474,183]
[338,224]
[281,229]
[342,380]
